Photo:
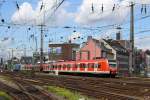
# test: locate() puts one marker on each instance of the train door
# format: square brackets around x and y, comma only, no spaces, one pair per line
[99,65]
[64,67]
[75,67]
[55,67]
[90,67]
[49,67]
[68,67]
[52,66]
[59,67]
[82,66]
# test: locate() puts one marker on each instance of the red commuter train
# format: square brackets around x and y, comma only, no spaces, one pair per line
[98,66]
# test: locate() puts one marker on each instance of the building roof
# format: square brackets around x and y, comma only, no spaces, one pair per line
[117,46]
[99,44]
[64,44]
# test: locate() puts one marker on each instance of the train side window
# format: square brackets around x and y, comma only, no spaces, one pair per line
[64,66]
[99,65]
[77,66]
[83,65]
[80,65]
[73,65]
[86,65]
[56,66]
[53,66]
[95,65]
[69,65]
[59,66]
[91,65]
[49,66]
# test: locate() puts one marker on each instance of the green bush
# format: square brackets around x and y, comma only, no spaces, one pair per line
[4,96]
[65,93]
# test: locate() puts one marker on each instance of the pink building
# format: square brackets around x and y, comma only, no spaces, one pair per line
[95,49]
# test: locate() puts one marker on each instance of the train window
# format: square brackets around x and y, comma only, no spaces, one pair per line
[49,66]
[77,65]
[59,66]
[64,66]
[90,65]
[99,65]
[86,65]
[95,65]
[73,65]
[52,66]
[112,65]
[69,65]
[56,66]
[82,65]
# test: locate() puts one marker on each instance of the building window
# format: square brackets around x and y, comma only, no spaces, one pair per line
[104,54]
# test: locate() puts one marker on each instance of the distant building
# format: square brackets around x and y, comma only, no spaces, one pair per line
[142,62]
[124,43]
[65,51]
[26,60]
[122,56]
[36,57]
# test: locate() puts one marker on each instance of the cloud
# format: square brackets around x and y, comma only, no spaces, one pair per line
[85,14]
[142,43]
[4,43]
[27,15]
[144,1]
[7,41]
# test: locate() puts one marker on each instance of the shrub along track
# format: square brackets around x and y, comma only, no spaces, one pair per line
[112,89]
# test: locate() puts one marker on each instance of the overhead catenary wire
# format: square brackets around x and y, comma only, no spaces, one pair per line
[104,12]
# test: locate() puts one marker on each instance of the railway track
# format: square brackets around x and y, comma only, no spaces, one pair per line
[26,91]
[33,91]
[110,89]
[15,93]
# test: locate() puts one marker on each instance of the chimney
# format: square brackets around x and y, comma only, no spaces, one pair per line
[69,41]
[89,38]
[118,36]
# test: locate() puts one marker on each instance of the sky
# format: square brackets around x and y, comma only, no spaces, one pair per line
[73,19]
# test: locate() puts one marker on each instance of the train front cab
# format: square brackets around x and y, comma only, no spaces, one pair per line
[113,69]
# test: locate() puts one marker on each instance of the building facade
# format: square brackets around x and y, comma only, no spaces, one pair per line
[122,57]
[65,51]
[93,49]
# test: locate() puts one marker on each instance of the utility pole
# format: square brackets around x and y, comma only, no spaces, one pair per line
[41,49]
[42,35]
[12,52]
[131,60]
[25,51]
[36,47]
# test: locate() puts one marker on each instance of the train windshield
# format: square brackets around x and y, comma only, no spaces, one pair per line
[113,65]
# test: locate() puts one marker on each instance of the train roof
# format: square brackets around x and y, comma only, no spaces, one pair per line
[80,61]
